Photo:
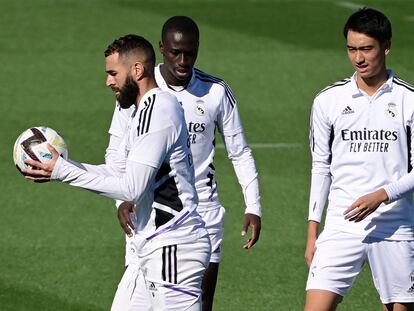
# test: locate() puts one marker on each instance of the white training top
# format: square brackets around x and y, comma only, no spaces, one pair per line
[157,174]
[359,144]
[208,104]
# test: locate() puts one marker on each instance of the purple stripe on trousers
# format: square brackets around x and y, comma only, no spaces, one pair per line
[181,290]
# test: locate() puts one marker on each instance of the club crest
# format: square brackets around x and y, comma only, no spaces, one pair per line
[200,108]
[391,110]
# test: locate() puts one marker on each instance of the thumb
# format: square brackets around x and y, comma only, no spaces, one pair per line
[244,227]
[52,150]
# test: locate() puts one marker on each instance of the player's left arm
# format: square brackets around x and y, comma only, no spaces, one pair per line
[245,168]
[240,154]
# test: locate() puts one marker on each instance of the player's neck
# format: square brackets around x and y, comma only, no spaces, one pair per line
[145,85]
[371,84]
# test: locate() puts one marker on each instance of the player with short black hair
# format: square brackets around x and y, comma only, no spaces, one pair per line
[361,136]
[180,24]
[371,22]
[209,105]
[154,171]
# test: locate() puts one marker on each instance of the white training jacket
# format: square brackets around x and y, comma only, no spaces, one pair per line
[153,169]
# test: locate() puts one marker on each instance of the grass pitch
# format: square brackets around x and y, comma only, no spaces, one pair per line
[62,248]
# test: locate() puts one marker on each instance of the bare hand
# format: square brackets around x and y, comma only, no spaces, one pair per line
[39,171]
[310,251]
[254,223]
[365,205]
[124,216]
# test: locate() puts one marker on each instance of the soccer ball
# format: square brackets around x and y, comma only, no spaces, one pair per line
[32,144]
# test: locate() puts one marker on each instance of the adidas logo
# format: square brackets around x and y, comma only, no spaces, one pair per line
[347,110]
[411,289]
[152,287]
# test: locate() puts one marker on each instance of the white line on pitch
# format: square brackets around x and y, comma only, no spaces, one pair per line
[350,5]
[270,146]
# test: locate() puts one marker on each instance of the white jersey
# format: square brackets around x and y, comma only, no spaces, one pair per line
[362,143]
[209,104]
[158,177]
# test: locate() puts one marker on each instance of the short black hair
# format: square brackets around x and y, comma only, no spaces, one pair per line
[182,24]
[370,22]
[132,44]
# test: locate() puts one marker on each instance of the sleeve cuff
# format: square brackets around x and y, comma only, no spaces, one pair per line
[57,169]
[254,209]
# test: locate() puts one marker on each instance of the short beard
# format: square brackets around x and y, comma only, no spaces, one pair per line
[128,93]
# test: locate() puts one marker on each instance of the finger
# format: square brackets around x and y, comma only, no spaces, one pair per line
[251,242]
[37,179]
[253,238]
[124,224]
[244,230]
[123,217]
[130,222]
[245,226]
[35,164]
[353,216]
[363,215]
[247,245]
[52,150]
[127,225]
[353,212]
[352,207]
[358,216]
[37,173]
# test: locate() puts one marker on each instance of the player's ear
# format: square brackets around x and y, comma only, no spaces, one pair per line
[138,70]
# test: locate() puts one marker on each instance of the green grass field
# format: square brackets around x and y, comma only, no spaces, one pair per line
[61,248]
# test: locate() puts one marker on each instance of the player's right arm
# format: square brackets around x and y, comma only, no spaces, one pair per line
[320,144]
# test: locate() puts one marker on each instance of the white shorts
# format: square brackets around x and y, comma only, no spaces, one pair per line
[214,220]
[169,278]
[340,256]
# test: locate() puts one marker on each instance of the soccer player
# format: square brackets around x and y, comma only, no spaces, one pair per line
[155,172]
[208,104]
[362,155]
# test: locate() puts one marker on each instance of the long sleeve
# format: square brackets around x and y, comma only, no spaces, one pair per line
[245,168]
[127,187]
[320,144]
[404,185]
